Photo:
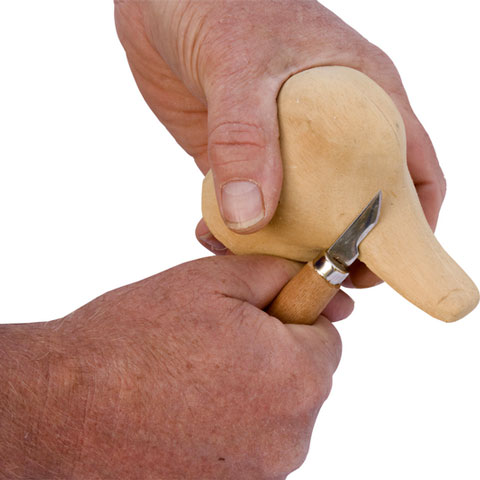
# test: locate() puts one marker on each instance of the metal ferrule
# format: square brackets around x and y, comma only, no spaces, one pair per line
[329,270]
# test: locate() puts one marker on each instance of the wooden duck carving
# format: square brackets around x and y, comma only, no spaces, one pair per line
[342,140]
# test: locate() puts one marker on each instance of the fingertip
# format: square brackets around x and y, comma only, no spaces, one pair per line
[339,308]
[201,228]
[208,240]
[242,205]
[362,277]
[245,158]
[248,204]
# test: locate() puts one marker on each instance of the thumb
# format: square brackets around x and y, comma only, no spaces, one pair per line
[244,153]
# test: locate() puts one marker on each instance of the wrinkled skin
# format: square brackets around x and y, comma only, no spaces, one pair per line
[211,70]
[179,376]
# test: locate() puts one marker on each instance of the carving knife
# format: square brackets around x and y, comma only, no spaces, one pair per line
[305,296]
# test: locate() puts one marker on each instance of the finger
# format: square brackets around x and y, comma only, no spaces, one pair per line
[258,279]
[424,169]
[322,342]
[339,308]
[244,152]
[206,238]
[361,277]
[421,157]
[255,279]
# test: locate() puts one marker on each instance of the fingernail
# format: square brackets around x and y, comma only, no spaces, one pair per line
[212,244]
[242,204]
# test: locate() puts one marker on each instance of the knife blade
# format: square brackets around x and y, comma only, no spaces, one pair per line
[305,296]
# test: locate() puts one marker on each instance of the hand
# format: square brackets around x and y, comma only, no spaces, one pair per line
[211,72]
[179,376]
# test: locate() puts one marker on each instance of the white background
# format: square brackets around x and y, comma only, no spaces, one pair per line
[94,194]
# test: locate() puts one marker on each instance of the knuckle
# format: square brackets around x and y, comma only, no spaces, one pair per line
[237,316]
[380,58]
[307,381]
[314,389]
[377,64]
[189,284]
[439,192]
[443,186]
[232,142]
[317,362]
[332,347]
[286,458]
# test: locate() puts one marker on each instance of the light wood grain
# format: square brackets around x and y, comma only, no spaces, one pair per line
[342,140]
[303,298]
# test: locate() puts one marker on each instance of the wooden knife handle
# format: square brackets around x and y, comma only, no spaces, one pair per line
[303,298]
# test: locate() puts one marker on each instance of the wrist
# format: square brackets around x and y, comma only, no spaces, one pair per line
[42,397]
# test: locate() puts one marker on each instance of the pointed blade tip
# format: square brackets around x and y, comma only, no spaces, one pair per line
[377,201]
[345,248]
